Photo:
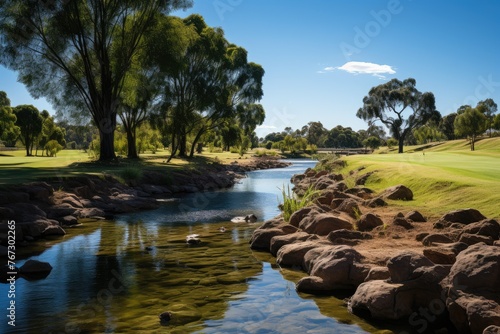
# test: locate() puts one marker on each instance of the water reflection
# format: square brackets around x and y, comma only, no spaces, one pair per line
[116,277]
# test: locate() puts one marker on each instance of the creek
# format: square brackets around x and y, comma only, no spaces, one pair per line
[118,276]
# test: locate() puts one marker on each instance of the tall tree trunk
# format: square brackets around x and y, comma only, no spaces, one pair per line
[28,145]
[400,144]
[182,144]
[472,141]
[107,136]
[195,141]
[131,143]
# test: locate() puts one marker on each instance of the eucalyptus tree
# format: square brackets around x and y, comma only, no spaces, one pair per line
[77,53]
[488,108]
[9,132]
[30,124]
[388,103]
[207,82]
[471,123]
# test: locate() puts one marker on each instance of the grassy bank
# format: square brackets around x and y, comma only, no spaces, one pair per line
[443,177]
[16,167]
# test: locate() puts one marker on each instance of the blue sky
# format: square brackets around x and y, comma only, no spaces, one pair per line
[322,57]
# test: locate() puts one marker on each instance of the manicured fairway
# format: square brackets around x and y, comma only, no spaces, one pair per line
[443,178]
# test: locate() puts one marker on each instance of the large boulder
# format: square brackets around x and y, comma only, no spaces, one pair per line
[415,216]
[399,192]
[375,202]
[332,268]
[463,216]
[298,215]
[411,289]
[261,237]
[472,289]
[436,238]
[280,240]
[403,266]
[487,228]
[324,223]
[445,253]
[293,254]
[350,206]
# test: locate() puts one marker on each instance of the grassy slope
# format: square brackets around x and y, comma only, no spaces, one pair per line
[447,177]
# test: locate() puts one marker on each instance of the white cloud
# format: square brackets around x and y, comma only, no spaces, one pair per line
[361,67]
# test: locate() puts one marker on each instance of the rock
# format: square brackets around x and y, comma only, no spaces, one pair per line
[324,223]
[471,239]
[26,212]
[396,300]
[7,197]
[332,268]
[361,180]
[193,239]
[402,266]
[432,239]
[68,220]
[6,213]
[293,254]
[280,240]
[245,219]
[165,318]
[400,221]
[61,210]
[472,289]
[53,230]
[180,314]
[350,206]
[415,216]
[444,253]
[421,236]
[368,222]
[261,237]
[464,216]
[375,202]
[378,300]
[91,213]
[378,273]
[4,251]
[39,191]
[399,192]
[360,192]
[34,269]
[298,215]
[347,234]
[487,228]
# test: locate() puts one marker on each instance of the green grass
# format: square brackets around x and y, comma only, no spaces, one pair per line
[444,177]
[16,167]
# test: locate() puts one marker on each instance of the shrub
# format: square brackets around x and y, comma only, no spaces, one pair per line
[53,147]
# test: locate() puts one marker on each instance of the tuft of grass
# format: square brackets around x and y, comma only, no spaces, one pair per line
[131,174]
[292,202]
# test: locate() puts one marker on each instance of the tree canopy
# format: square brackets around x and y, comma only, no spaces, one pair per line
[30,124]
[78,53]
[471,123]
[388,103]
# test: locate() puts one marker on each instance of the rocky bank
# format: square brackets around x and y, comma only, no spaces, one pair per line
[49,207]
[437,274]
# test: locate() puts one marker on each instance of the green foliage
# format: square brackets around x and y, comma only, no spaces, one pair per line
[394,97]
[269,145]
[53,147]
[30,123]
[292,203]
[372,142]
[470,123]
[264,153]
[391,142]
[343,138]
[95,148]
